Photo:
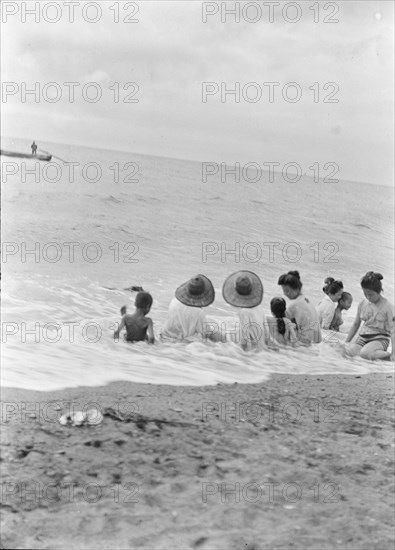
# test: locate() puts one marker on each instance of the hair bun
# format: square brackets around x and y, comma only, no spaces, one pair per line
[373,275]
[294,274]
[328,281]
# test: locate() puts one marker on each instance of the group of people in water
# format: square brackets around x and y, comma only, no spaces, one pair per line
[298,324]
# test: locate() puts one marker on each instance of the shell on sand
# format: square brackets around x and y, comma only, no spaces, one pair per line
[78,418]
[92,417]
[65,419]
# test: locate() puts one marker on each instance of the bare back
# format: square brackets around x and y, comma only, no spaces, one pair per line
[136,327]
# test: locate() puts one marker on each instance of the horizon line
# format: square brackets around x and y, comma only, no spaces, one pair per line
[390,185]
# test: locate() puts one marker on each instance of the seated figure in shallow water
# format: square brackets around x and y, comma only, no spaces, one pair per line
[186,317]
[391,354]
[281,329]
[327,307]
[300,311]
[344,303]
[137,325]
[378,316]
[244,290]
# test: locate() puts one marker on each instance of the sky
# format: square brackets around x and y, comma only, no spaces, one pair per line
[165,60]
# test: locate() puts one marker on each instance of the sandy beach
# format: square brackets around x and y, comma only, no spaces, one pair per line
[297,462]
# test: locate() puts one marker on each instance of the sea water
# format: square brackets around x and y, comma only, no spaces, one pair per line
[115,219]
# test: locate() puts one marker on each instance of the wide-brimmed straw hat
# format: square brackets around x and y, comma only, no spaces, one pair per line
[197,292]
[243,289]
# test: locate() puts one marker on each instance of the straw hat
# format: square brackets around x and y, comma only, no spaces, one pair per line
[243,289]
[197,292]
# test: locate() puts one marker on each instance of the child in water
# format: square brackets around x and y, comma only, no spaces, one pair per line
[137,324]
[327,307]
[378,316]
[344,303]
[281,329]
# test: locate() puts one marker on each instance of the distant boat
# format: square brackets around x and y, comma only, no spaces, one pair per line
[46,157]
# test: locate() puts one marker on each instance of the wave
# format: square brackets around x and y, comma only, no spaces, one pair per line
[365,226]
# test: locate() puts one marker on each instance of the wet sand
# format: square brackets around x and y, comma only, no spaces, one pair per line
[296,462]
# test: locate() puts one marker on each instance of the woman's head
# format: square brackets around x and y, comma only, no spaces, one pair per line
[291,284]
[327,282]
[371,286]
[334,290]
[278,307]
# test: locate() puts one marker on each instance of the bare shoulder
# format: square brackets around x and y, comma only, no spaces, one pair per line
[128,317]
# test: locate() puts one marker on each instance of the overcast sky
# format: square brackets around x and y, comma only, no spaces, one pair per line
[170,52]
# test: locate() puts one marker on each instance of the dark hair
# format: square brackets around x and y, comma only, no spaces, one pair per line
[143,300]
[334,287]
[372,281]
[278,307]
[346,296]
[327,282]
[291,279]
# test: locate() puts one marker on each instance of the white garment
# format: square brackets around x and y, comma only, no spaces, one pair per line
[326,311]
[183,321]
[253,328]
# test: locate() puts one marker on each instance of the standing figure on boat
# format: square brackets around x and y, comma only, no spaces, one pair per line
[34,148]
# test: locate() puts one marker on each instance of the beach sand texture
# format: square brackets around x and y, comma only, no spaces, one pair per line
[187,473]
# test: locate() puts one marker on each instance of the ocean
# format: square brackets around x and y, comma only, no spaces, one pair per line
[76,235]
